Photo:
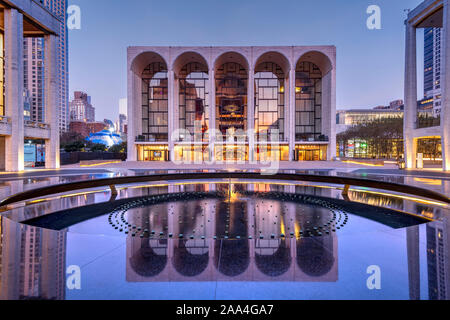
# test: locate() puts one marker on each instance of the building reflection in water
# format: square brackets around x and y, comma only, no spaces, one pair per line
[240,253]
[32,262]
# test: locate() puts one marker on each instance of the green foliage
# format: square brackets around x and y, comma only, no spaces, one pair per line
[72,142]
[98,147]
[119,148]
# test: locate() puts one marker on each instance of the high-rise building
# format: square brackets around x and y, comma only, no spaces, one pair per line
[33,61]
[81,108]
[33,68]
[37,61]
[432,67]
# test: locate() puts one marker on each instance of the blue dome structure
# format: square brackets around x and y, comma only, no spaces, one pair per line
[105,137]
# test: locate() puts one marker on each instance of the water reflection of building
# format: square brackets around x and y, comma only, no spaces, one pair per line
[202,258]
[438,251]
[32,262]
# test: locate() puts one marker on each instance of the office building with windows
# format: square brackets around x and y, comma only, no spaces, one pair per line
[81,109]
[22,19]
[180,94]
[34,71]
[432,67]
[429,15]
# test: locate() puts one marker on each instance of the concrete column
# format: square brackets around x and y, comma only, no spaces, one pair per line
[445,113]
[171,119]
[14,158]
[291,114]
[251,114]
[410,114]
[51,102]
[212,112]
[132,119]
[286,108]
[329,111]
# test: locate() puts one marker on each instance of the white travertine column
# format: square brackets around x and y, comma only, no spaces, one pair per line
[286,108]
[329,111]
[134,109]
[51,102]
[445,113]
[410,110]
[251,114]
[291,114]
[14,156]
[171,113]
[212,112]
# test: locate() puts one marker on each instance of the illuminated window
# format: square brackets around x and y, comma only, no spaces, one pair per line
[308,102]
[193,103]
[269,99]
[231,97]
[155,102]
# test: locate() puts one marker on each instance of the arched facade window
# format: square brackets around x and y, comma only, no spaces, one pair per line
[155,102]
[194,98]
[269,99]
[308,102]
[231,97]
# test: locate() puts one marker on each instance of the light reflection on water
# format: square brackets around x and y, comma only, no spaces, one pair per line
[414,261]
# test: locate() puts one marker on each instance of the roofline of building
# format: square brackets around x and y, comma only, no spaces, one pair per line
[36,14]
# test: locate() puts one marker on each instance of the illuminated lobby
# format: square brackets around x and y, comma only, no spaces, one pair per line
[259,90]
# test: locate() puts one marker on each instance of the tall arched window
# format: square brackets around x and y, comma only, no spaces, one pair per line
[269,99]
[194,97]
[308,102]
[155,102]
[231,97]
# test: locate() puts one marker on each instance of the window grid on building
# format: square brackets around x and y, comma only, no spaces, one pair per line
[155,102]
[231,97]
[269,99]
[308,102]
[193,98]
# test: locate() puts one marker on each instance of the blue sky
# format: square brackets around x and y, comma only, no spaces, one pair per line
[370,64]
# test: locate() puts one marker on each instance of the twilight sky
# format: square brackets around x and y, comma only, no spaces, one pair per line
[370,63]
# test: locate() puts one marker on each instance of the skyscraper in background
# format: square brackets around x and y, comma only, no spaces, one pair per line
[33,70]
[432,67]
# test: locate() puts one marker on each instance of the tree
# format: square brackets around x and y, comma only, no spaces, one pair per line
[98,147]
[118,148]
[384,137]
[72,141]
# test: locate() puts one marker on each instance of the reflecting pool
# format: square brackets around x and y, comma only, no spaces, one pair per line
[225,240]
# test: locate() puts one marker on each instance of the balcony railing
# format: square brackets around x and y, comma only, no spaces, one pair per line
[5,120]
[37,125]
[310,138]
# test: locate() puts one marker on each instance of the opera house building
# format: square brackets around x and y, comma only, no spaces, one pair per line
[183,103]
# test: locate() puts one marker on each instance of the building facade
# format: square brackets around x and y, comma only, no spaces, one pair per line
[81,108]
[346,119]
[432,68]
[27,19]
[86,128]
[429,14]
[179,94]
[33,76]
[34,72]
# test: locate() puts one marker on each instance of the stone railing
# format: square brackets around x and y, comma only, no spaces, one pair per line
[37,125]
[5,120]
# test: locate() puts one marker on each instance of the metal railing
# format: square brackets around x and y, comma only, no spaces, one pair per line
[112,182]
